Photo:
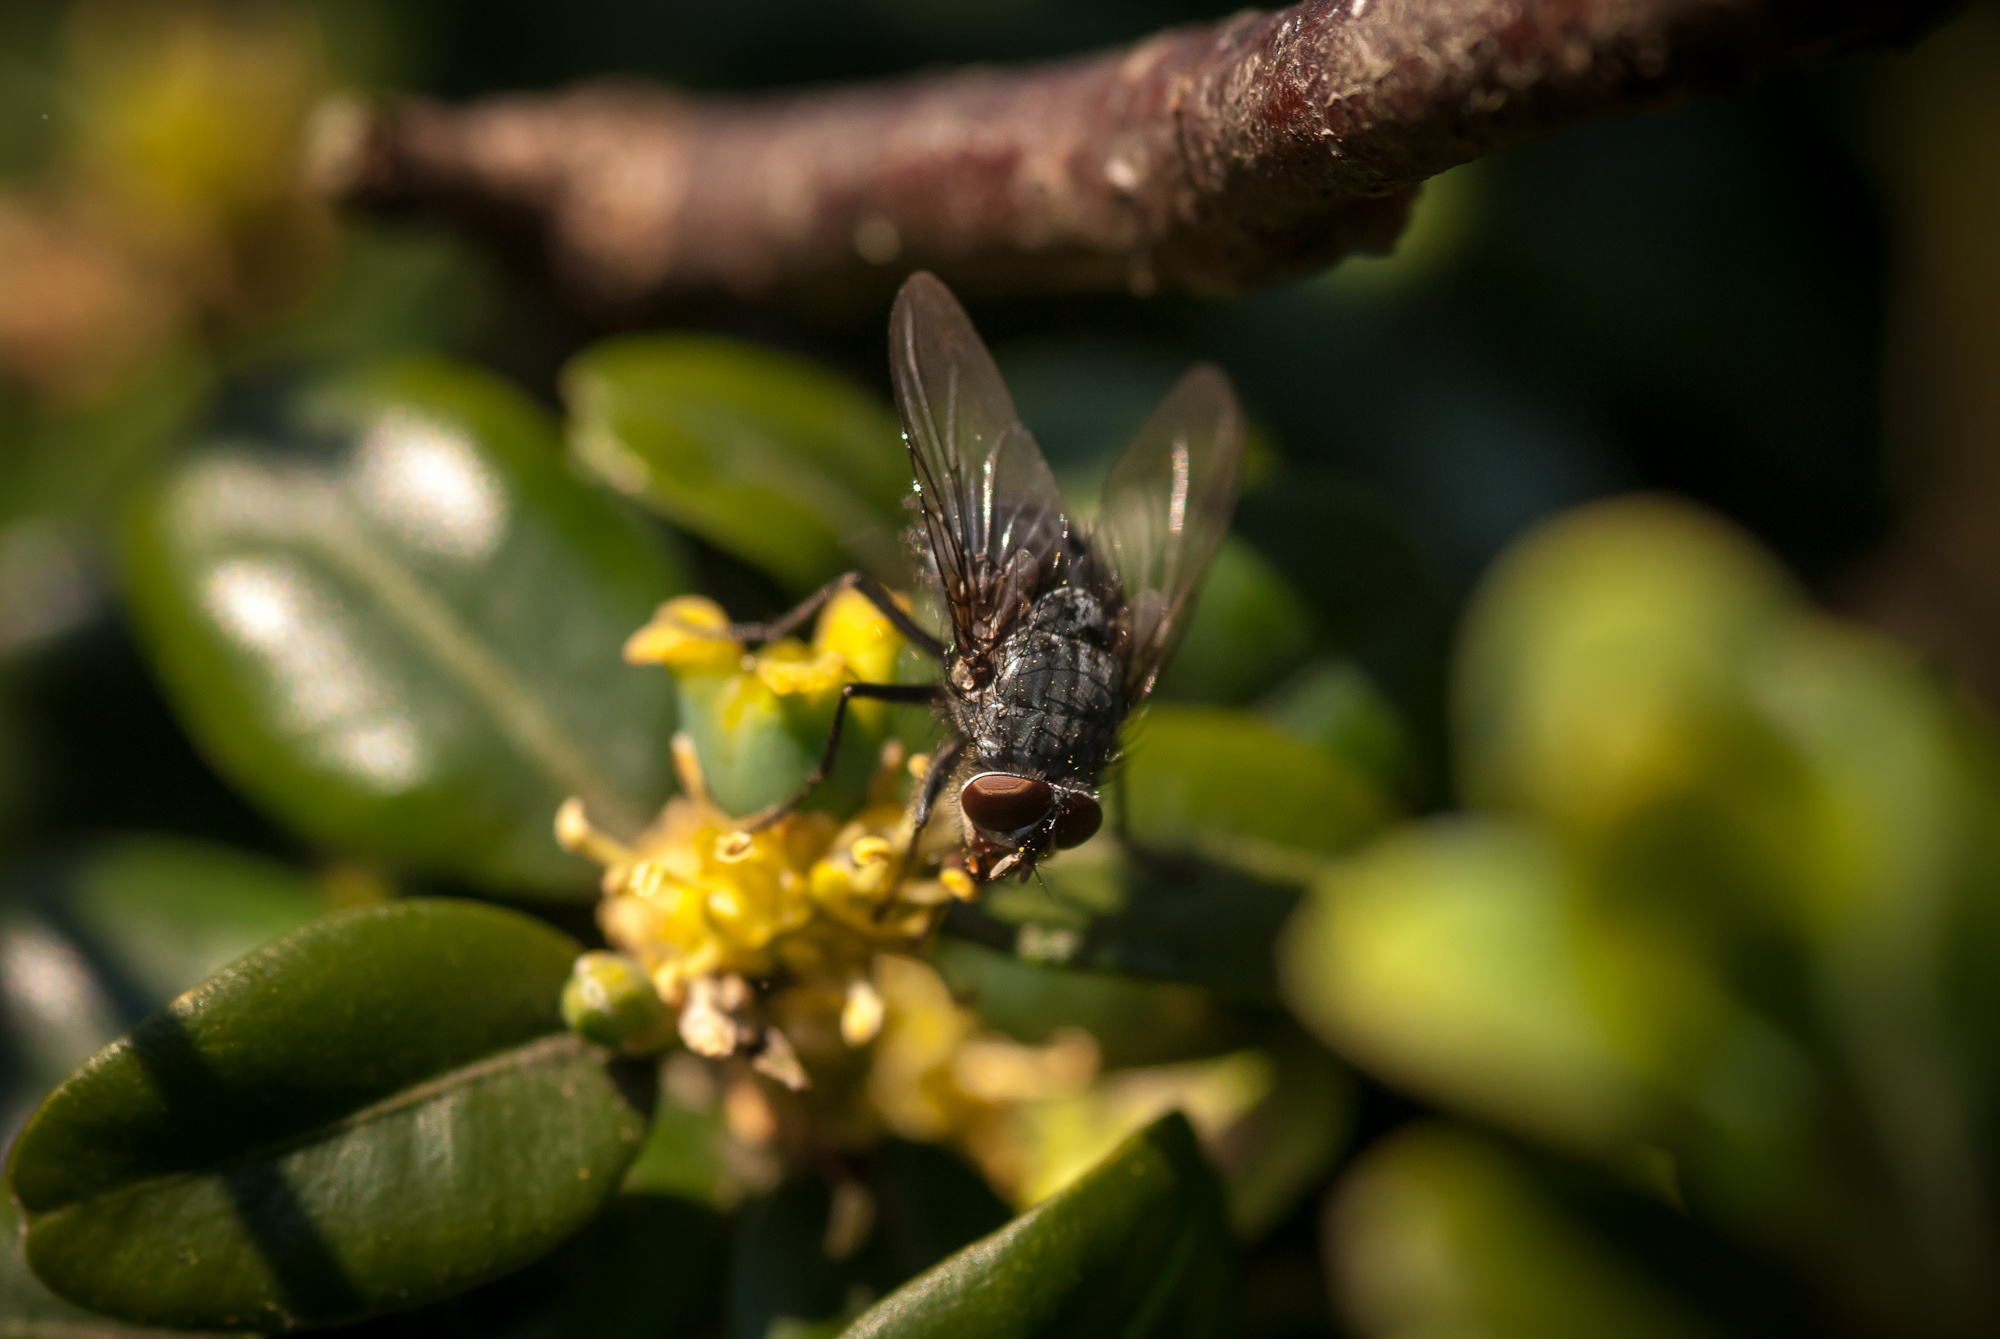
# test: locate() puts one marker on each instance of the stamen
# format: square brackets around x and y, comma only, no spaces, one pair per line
[861,1017]
[576,834]
[687,768]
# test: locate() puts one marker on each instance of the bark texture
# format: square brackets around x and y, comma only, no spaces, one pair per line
[1214,158]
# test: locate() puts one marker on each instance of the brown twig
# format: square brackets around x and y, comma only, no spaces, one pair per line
[1212,158]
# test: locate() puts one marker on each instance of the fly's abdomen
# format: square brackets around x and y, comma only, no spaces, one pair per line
[1055,703]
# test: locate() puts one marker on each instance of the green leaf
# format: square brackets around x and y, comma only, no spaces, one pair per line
[765,456]
[403,637]
[1444,959]
[1136,1022]
[376,1111]
[1139,1247]
[162,913]
[1500,1255]
[1226,785]
[93,942]
[30,1311]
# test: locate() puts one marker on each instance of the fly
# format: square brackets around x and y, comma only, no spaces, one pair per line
[1058,630]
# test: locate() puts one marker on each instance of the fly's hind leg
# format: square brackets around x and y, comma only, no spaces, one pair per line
[909,694]
[756,634]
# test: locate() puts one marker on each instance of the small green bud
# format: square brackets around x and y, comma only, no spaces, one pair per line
[609,1000]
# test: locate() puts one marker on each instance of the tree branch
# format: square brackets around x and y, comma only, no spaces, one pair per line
[1213,158]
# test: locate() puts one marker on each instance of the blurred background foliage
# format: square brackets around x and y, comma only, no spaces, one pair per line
[1653,885]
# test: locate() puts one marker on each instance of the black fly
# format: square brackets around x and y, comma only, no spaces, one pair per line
[1058,631]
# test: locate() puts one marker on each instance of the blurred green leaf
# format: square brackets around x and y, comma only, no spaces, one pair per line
[92,942]
[764,455]
[266,1151]
[1136,1022]
[1437,1232]
[793,1273]
[1443,959]
[1335,705]
[1250,629]
[1603,661]
[1281,1150]
[1226,785]
[408,644]
[165,912]
[1139,1247]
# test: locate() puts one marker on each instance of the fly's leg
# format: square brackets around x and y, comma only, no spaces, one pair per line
[910,694]
[943,763]
[756,634]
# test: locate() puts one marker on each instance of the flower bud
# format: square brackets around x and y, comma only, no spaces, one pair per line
[609,1000]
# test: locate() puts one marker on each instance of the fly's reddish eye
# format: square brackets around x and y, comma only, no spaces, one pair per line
[1003,802]
[1078,822]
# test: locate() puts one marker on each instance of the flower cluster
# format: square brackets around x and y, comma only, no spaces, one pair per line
[717,916]
[797,950]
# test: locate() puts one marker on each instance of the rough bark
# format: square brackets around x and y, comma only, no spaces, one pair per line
[1213,159]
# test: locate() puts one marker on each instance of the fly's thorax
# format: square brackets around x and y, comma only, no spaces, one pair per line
[1054,704]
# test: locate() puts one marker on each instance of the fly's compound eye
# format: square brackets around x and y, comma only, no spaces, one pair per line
[1003,802]
[1078,821]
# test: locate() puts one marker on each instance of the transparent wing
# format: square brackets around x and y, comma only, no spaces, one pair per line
[993,521]
[1166,507]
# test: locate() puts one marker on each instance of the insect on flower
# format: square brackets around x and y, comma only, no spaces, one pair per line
[1058,631]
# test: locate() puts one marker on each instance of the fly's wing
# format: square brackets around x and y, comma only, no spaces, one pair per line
[992,519]
[1166,507]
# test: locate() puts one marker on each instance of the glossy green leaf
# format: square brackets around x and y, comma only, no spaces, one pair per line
[378,1110]
[396,622]
[764,455]
[1139,1247]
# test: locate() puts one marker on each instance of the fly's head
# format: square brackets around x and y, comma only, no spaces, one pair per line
[1014,820]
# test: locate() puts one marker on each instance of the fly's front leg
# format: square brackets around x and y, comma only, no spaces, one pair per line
[756,634]
[909,694]
[943,763]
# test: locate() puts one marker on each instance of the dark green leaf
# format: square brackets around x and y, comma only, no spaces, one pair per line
[763,455]
[30,1311]
[1136,1248]
[407,644]
[378,1110]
